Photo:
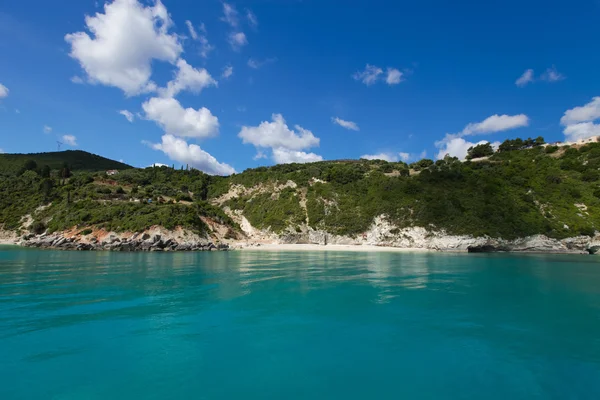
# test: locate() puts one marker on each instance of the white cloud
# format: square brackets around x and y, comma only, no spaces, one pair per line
[3,91]
[126,38]
[345,124]
[276,134]
[390,157]
[588,112]
[237,40]
[230,15]
[127,114]
[227,71]
[369,76]
[70,140]
[286,156]
[524,79]
[77,80]
[191,154]
[552,75]
[1,151]
[256,64]
[582,130]
[205,46]
[192,30]
[458,147]
[496,123]
[394,76]
[259,154]
[157,165]
[579,121]
[252,20]
[286,144]
[47,129]
[176,120]
[188,78]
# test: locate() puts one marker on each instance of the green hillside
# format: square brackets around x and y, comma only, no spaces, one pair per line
[524,189]
[76,160]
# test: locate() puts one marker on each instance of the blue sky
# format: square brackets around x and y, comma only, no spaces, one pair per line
[401,79]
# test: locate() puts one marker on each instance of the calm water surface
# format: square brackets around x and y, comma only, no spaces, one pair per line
[298,325]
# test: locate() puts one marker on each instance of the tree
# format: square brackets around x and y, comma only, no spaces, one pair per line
[45,172]
[481,150]
[30,165]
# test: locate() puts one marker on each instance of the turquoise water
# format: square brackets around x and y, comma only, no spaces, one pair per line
[298,325]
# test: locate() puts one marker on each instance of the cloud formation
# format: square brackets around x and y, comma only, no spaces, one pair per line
[227,72]
[188,78]
[345,124]
[3,91]
[550,75]
[524,79]
[237,40]
[579,121]
[373,74]
[127,114]
[191,154]
[107,57]
[286,144]
[70,140]
[456,146]
[176,120]
[47,129]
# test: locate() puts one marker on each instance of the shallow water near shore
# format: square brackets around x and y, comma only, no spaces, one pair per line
[298,325]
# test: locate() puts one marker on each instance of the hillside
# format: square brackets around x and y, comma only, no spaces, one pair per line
[77,160]
[521,191]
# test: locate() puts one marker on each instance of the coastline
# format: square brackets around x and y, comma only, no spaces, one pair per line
[338,247]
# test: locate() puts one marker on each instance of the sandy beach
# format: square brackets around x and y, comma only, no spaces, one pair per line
[329,247]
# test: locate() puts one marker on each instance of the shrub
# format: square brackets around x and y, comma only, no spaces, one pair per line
[38,227]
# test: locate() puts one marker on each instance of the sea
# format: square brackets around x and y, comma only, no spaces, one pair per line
[298,325]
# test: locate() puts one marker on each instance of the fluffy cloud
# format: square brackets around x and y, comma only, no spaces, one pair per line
[188,78]
[552,75]
[237,40]
[126,38]
[230,15]
[587,112]
[579,123]
[369,76]
[47,129]
[176,120]
[524,79]
[393,77]
[227,71]
[127,114]
[582,130]
[389,157]
[191,154]
[276,134]
[3,91]
[345,124]
[286,156]
[496,123]
[77,80]
[286,144]
[458,147]
[70,140]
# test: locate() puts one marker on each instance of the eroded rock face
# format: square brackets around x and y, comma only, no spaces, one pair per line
[114,243]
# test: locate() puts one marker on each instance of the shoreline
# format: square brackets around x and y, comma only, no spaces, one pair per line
[340,247]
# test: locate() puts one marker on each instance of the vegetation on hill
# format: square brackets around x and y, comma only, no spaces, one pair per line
[521,190]
[76,160]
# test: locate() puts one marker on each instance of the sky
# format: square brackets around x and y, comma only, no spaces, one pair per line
[226,86]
